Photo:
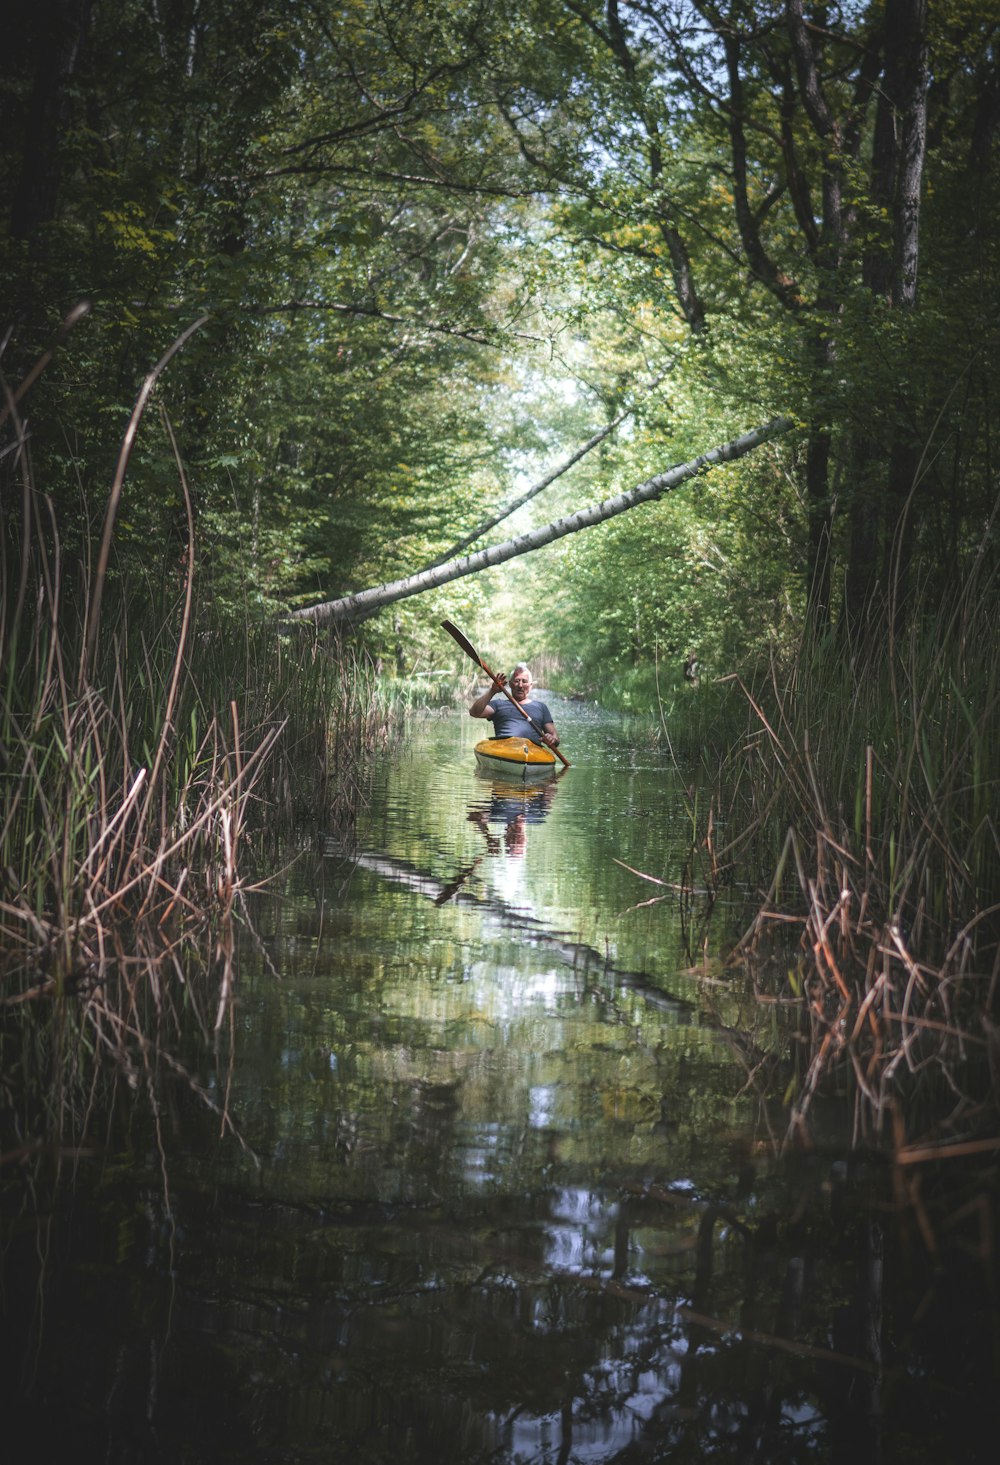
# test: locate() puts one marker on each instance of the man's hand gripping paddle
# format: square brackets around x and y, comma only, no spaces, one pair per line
[470,650]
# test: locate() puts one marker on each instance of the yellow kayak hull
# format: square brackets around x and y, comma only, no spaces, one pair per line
[515,757]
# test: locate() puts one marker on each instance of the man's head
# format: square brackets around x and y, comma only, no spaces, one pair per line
[520,682]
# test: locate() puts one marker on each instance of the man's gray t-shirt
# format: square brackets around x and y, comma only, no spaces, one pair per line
[508,722]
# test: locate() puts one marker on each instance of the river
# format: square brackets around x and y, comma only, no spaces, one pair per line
[504,1185]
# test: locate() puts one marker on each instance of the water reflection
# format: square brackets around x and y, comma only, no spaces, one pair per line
[517,1200]
[513,807]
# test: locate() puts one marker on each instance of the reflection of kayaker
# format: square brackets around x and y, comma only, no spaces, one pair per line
[515,836]
[515,808]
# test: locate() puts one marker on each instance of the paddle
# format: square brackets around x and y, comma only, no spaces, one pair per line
[470,650]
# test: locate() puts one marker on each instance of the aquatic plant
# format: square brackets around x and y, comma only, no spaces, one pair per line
[148,751]
[870,771]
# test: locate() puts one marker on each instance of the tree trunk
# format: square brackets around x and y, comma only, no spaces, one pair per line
[59,29]
[829,249]
[820,527]
[906,82]
[899,150]
[356,607]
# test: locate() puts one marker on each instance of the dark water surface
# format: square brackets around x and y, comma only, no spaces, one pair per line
[506,1189]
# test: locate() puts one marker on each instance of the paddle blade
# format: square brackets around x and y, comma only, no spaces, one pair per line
[463,641]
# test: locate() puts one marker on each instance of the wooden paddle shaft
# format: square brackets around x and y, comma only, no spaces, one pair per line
[470,650]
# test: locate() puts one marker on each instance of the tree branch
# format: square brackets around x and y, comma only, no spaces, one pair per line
[592,442]
[760,262]
[354,607]
[478,338]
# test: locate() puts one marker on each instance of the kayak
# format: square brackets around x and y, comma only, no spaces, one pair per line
[515,757]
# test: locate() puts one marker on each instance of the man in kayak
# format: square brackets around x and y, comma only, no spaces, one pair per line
[507,721]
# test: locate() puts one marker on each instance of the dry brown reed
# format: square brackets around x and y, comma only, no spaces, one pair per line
[875,776]
[131,779]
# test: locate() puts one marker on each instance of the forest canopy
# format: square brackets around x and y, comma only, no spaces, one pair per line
[439,245]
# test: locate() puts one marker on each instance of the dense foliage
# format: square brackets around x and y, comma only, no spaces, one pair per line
[359,275]
[439,245]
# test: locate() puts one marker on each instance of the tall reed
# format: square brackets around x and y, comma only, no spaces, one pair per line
[143,748]
[872,775]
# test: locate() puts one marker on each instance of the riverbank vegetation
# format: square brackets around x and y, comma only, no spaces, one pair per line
[157,757]
[863,791]
[399,261]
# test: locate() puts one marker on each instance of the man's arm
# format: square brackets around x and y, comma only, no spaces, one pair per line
[478,708]
[551,736]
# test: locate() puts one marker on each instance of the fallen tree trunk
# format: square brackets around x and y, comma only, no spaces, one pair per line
[592,442]
[362,604]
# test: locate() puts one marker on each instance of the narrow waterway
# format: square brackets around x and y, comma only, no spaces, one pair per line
[504,1187]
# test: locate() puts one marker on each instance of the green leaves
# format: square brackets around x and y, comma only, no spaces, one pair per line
[458,237]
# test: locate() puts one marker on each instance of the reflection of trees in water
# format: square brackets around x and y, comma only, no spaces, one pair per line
[637,1323]
[770,1344]
[783,1317]
[517,1289]
[642,1323]
[725,1358]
